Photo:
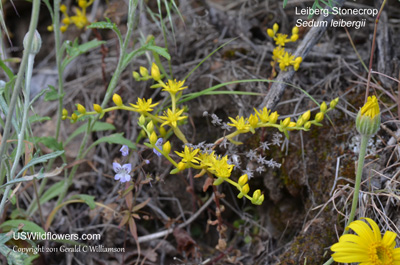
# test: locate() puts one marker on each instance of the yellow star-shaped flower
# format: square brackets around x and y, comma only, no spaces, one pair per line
[143,105]
[171,118]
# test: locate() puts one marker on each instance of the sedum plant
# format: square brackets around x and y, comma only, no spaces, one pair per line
[157,125]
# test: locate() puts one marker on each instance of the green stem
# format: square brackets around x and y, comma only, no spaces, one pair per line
[360,166]
[361,158]
[59,55]
[14,97]
[110,90]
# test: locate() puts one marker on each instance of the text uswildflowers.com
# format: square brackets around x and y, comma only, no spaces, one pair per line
[52,236]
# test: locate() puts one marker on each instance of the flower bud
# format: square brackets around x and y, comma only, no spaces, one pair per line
[285,123]
[295,30]
[256,196]
[334,103]
[50,28]
[36,42]
[97,108]
[300,122]
[323,107]
[66,21]
[163,132]
[136,76]
[143,71]
[155,72]
[74,117]
[246,189]
[253,120]
[167,147]
[294,37]
[270,33]
[64,112]
[63,29]
[319,117]
[142,120]
[81,109]
[150,127]
[153,138]
[117,100]
[273,117]
[243,180]
[275,27]
[369,117]
[307,125]
[306,116]
[63,8]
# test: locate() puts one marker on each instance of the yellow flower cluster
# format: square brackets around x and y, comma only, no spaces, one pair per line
[79,19]
[264,118]
[219,167]
[279,55]
[207,162]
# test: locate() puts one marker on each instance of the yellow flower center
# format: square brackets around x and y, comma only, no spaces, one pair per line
[380,254]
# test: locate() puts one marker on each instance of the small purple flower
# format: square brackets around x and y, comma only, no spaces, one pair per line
[159,145]
[124,150]
[122,172]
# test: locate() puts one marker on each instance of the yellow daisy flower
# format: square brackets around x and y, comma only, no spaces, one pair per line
[368,247]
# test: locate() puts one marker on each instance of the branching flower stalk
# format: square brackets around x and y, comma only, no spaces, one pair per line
[153,126]
[30,49]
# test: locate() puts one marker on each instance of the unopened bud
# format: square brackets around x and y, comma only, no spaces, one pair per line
[319,117]
[323,107]
[142,120]
[36,43]
[243,180]
[97,108]
[153,138]
[136,76]
[150,127]
[273,117]
[167,147]
[275,27]
[143,71]
[334,103]
[117,100]
[81,109]
[155,72]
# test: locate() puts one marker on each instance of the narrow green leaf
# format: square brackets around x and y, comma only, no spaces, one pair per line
[28,226]
[52,94]
[40,159]
[49,194]
[89,200]
[36,118]
[49,142]
[116,138]
[159,50]
[75,51]
[98,126]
